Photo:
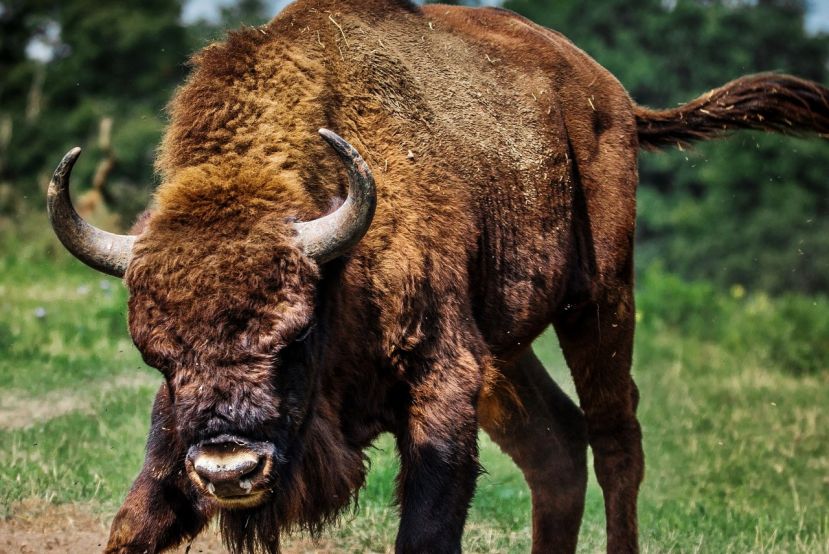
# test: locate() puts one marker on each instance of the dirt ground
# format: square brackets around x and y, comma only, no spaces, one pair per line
[19,410]
[36,526]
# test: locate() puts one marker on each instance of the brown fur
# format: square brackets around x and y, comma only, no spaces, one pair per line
[505,162]
[763,102]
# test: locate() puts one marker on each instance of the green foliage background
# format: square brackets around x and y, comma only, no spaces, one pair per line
[111,59]
[733,252]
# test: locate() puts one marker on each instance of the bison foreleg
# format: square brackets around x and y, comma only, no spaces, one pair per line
[162,509]
[439,457]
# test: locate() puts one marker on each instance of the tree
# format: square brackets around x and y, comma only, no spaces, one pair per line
[119,60]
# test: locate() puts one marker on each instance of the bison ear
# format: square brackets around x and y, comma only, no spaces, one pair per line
[106,252]
[141,223]
[335,234]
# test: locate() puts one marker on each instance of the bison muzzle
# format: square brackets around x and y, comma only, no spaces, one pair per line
[235,471]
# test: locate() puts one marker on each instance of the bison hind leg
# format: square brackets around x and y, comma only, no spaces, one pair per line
[541,429]
[597,342]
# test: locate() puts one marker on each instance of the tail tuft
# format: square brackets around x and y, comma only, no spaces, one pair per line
[764,102]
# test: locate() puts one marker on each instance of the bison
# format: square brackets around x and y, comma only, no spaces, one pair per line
[300,303]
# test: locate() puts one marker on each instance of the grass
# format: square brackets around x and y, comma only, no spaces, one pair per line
[734,391]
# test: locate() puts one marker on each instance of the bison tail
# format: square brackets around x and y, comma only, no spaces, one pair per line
[764,102]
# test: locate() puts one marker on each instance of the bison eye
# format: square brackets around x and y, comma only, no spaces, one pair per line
[304,333]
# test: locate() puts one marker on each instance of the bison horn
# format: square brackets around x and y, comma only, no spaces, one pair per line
[330,236]
[106,252]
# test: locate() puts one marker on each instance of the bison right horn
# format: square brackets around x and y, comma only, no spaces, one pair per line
[328,237]
[106,252]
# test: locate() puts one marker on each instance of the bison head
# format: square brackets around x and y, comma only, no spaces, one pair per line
[222,299]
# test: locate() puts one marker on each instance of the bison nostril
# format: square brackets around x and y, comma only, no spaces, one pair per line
[229,474]
[230,467]
[222,468]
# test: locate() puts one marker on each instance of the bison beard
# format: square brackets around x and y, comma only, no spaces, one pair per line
[506,167]
[252,530]
[322,478]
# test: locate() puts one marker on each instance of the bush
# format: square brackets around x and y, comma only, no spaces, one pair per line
[790,331]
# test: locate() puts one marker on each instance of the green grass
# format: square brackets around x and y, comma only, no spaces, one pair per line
[734,392]
[60,323]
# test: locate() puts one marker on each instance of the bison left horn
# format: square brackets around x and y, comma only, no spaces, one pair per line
[96,248]
[335,234]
